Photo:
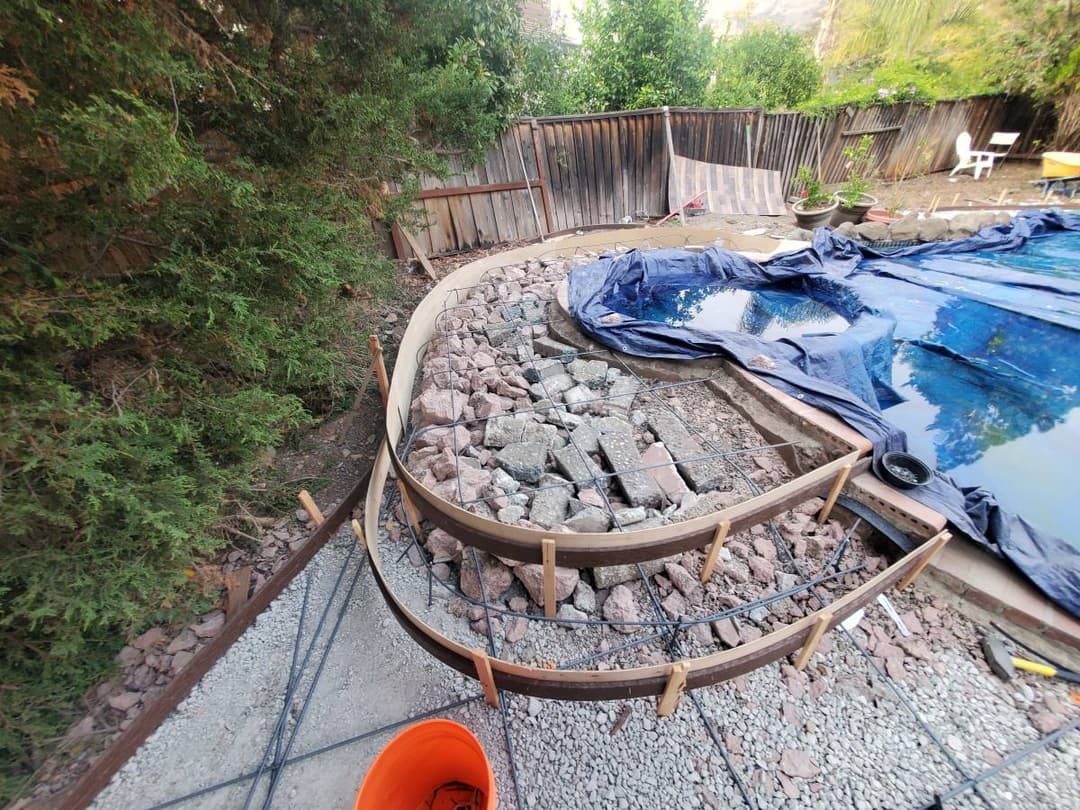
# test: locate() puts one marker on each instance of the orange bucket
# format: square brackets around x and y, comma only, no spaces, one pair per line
[434,765]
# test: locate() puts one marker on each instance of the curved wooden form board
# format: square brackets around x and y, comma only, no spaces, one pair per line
[575,548]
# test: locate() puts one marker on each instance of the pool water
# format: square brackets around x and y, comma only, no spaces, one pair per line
[768,314]
[986,359]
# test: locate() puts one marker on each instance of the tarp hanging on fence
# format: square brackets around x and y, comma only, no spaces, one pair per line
[848,374]
[720,189]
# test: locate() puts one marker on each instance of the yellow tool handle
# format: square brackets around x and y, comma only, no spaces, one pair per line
[1034,666]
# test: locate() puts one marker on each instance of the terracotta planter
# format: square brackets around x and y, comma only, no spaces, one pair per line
[852,213]
[881,215]
[815,217]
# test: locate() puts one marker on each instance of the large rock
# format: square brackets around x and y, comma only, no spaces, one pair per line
[610,575]
[905,230]
[551,386]
[443,547]
[539,370]
[933,229]
[872,231]
[621,395]
[621,607]
[532,577]
[589,520]
[441,438]
[684,448]
[547,347]
[579,399]
[576,466]
[550,501]
[637,486]
[503,430]
[663,472]
[523,461]
[496,577]
[592,373]
[437,406]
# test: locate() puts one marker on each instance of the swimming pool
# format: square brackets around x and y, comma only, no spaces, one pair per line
[984,376]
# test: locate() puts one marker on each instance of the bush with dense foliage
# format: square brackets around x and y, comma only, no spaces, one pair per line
[643,53]
[185,189]
[764,66]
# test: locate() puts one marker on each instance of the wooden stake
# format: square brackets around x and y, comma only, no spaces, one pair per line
[384,391]
[834,493]
[956,197]
[1001,198]
[939,541]
[714,551]
[486,677]
[310,507]
[676,685]
[380,368]
[359,532]
[237,584]
[813,640]
[547,549]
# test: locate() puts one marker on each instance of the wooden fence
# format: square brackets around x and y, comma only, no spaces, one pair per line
[562,173]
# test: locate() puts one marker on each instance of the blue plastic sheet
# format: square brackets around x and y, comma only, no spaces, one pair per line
[1003,329]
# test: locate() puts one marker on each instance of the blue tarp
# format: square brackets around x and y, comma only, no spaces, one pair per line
[849,374]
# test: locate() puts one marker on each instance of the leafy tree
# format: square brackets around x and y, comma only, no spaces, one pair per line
[764,66]
[185,190]
[549,76]
[643,53]
[1040,56]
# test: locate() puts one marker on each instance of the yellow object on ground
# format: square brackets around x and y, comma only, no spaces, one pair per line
[1035,667]
[1061,164]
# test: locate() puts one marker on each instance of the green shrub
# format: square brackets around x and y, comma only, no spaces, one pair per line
[185,193]
[765,66]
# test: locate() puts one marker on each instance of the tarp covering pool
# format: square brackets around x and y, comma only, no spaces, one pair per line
[969,348]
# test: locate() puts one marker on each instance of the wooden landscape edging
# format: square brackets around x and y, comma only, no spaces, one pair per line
[548,682]
[82,793]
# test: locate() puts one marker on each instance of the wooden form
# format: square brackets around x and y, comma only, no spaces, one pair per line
[602,548]
[834,493]
[674,689]
[309,506]
[548,559]
[485,676]
[937,543]
[714,550]
[584,549]
[823,623]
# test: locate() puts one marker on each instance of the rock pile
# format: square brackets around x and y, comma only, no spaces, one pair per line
[917,228]
[517,427]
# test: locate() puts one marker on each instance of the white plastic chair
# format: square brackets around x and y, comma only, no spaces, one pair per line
[968,159]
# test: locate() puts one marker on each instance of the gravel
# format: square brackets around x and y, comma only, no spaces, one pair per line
[833,736]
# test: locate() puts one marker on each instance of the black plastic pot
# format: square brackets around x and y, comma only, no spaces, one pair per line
[854,213]
[904,470]
[815,217]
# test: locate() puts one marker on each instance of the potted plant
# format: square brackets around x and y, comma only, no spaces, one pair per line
[816,206]
[853,197]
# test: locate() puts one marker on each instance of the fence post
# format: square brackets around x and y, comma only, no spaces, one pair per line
[671,164]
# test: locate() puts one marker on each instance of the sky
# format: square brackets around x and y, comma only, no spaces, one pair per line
[798,14]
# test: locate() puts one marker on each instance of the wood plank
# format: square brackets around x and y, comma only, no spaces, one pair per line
[418,252]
